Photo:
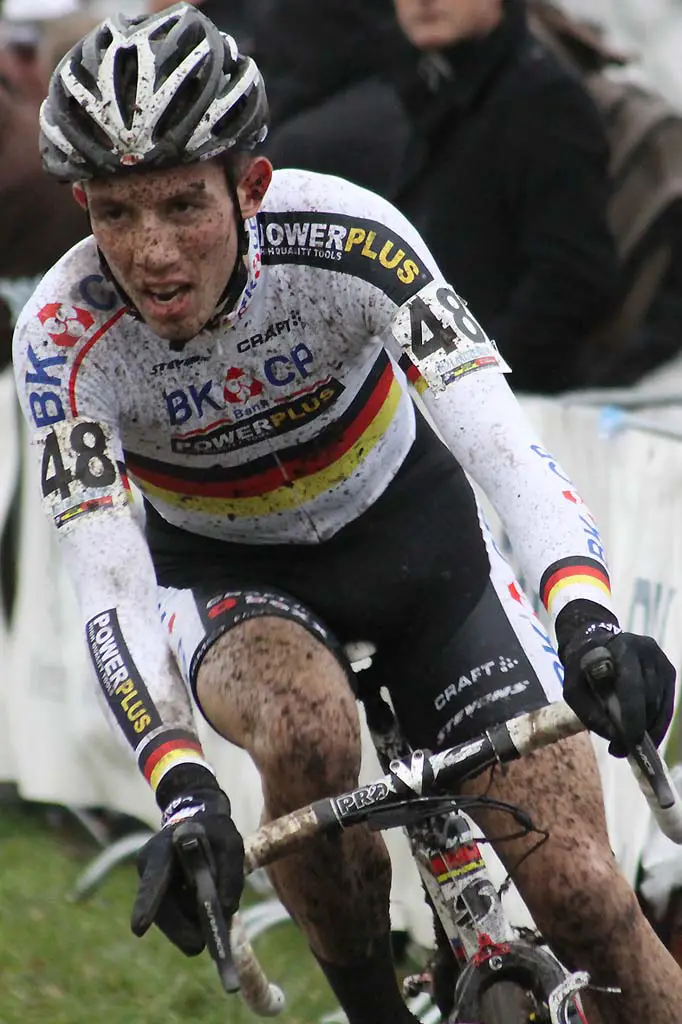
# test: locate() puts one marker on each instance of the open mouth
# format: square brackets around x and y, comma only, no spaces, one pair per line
[167,295]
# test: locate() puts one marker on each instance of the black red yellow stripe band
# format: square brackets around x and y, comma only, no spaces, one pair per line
[165,751]
[290,476]
[569,572]
[412,373]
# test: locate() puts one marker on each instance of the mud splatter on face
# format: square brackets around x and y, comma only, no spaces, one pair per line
[170,239]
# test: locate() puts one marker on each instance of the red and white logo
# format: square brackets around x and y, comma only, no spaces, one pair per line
[239,387]
[226,605]
[66,325]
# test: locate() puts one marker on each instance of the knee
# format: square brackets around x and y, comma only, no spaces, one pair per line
[310,749]
[585,905]
[297,714]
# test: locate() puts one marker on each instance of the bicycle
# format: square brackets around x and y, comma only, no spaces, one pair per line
[488,955]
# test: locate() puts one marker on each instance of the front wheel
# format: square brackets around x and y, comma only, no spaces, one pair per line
[512,985]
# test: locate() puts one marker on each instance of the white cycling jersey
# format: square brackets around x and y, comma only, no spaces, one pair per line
[280,422]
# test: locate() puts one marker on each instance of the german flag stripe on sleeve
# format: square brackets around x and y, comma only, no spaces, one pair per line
[169,748]
[569,572]
[124,478]
[412,373]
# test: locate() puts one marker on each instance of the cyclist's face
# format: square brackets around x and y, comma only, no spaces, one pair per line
[170,238]
[430,24]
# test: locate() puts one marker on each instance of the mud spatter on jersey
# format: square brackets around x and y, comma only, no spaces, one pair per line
[281,423]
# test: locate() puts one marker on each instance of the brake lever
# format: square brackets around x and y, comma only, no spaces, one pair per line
[194,852]
[599,669]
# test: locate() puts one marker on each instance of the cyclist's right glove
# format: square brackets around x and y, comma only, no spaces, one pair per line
[164,898]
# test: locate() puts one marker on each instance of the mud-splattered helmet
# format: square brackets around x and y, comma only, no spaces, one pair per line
[150,92]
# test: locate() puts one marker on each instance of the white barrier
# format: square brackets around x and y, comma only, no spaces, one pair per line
[9,456]
[632,482]
[56,745]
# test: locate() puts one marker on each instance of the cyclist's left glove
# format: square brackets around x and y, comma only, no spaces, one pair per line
[164,897]
[644,678]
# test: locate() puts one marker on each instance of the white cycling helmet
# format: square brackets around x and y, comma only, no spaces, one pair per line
[153,91]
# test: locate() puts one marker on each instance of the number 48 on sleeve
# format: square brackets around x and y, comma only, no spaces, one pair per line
[443,338]
[78,471]
[83,460]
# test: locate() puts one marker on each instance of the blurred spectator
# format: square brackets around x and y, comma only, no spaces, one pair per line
[309,51]
[508,183]
[20,32]
[645,134]
[40,220]
[329,109]
[237,17]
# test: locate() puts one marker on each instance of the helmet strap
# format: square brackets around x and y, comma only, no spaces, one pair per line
[239,276]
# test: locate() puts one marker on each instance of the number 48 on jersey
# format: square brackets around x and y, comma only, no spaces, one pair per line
[443,338]
[78,472]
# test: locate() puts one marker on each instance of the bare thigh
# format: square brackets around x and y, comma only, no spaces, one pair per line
[270,687]
[273,689]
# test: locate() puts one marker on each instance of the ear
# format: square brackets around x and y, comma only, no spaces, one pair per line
[253,185]
[78,193]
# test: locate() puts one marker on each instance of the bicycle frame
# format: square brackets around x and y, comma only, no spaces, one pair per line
[464,896]
[451,865]
[455,875]
[417,782]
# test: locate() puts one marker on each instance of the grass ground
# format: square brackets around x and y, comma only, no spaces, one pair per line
[78,963]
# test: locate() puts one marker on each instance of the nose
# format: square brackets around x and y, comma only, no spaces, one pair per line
[156,245]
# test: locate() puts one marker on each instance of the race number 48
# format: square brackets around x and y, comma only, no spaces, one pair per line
[442,321]
[443,338]
[78,457]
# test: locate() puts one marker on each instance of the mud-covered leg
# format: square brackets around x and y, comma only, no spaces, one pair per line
[270,687]
[572,885]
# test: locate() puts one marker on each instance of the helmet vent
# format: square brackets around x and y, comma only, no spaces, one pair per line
[175,113]
[231,118]
[83,75]
[85,124]
[172,47]
[126,69]
[104,39]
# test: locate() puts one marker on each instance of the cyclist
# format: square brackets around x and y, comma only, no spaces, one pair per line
[241,345]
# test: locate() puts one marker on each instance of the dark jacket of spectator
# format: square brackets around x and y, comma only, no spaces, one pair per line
[39,220]
[508,184]
[330,110]
[309,51]
[236,17]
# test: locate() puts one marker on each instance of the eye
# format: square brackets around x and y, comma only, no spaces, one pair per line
[109,214]
[182,206]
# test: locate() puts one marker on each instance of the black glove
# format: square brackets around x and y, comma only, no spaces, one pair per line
[644,679]
[164,897]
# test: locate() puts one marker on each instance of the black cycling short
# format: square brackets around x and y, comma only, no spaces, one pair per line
[415,575]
